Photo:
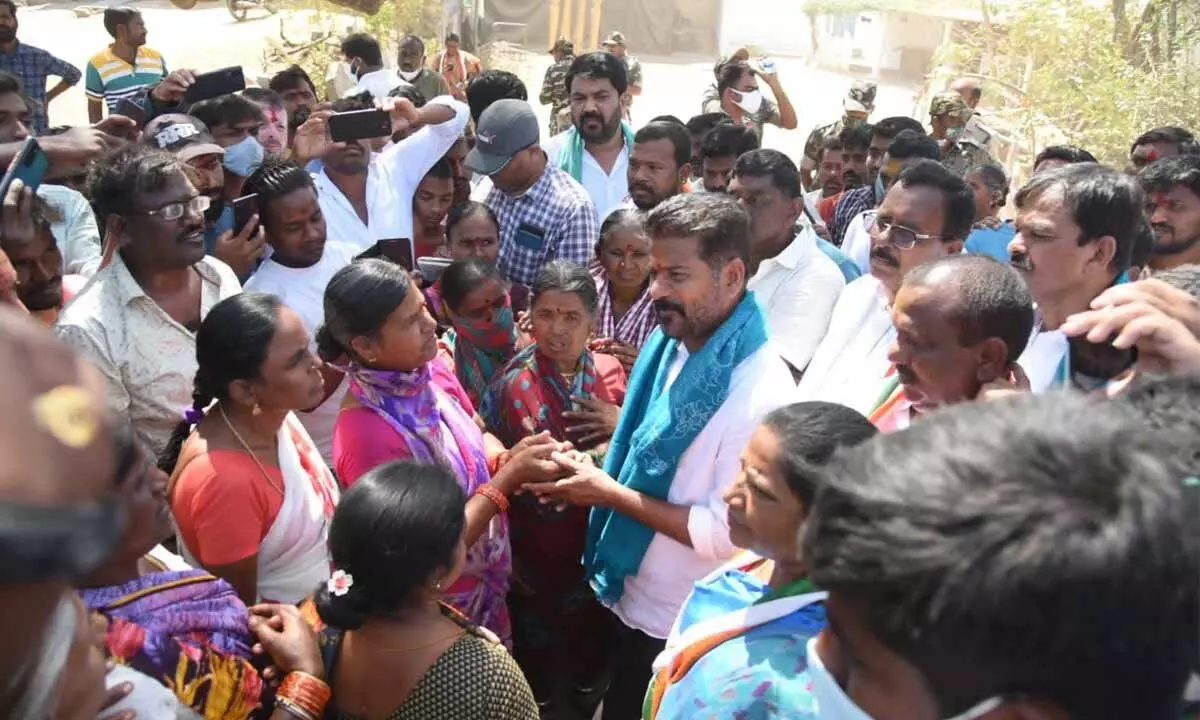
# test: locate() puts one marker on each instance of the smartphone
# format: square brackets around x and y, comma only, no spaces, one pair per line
[216,83]
[131,110]
[243,208]
[29,165]
[431,268]
[359,125]
[398,250]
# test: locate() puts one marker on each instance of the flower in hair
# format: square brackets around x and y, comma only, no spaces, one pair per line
[193,415]
[339,584]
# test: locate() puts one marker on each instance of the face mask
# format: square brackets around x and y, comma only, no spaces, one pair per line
[409,76]
[750,101]
[834,704]
[244,158]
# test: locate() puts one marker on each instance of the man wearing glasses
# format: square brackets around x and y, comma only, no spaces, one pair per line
[137,319]
[926,214]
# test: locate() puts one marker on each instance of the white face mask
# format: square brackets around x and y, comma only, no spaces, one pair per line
[834,704]
[750,101]
[410,76]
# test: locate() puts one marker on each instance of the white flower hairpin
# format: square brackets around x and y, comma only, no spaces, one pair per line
[339,583]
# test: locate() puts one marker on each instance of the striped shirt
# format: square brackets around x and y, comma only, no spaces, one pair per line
[112,78]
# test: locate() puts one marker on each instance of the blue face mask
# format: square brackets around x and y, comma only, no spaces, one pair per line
[244,158]
[880,190]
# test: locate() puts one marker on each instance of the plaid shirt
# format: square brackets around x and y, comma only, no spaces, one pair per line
[853,203]
[554,220]
[634,326]
[32,65]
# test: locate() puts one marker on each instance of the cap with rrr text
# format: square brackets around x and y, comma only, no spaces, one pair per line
[616,37]
[506,128]
[949,103]
[181,135]
[563,45]
[860,97]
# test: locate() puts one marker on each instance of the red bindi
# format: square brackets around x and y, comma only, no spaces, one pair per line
[1152,155]
[629,247]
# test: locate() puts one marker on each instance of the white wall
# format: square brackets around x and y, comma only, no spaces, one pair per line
[778,27]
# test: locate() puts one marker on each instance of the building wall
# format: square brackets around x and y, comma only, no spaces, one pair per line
[883,43]
[777,27]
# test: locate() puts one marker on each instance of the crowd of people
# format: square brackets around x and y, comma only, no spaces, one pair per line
[472,420]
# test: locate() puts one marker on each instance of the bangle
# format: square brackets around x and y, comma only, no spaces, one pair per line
[498,461]
[490,492]
[303,695]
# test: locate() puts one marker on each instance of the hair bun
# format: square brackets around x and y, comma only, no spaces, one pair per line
[343,612]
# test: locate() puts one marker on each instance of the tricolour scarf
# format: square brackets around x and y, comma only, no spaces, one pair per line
[570,158]
[657,425]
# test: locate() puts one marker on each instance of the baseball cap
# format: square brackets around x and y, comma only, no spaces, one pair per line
[861,97]
[566,46]
[506,128]
[616,37]
[182,135]
[949,103]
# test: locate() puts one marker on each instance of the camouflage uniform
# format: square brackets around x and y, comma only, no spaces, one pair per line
[633,66]
[860,98]
[554,87]
[960,153]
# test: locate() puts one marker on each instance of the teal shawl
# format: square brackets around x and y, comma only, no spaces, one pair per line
[655,429]
[570,158]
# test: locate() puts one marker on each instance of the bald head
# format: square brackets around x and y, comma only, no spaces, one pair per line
[970,90]
[981,297]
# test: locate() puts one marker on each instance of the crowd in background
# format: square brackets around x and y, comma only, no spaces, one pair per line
[392,404]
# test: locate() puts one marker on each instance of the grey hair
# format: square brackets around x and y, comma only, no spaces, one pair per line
[996,180]
[563,276]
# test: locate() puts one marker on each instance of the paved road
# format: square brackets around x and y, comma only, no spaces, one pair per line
[207,37]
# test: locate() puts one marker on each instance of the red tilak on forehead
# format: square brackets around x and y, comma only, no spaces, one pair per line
[273,115]
[1159,197]
[629,247]
[1152,155]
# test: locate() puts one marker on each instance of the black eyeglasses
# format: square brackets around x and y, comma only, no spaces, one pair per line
[39,544]
[902,237]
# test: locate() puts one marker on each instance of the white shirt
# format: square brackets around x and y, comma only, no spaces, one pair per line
[654,596]
[147,359]
[607,190]
[392,179]
[75,231]
[849,365]
[303,290]
[810,201]
[856,243]
[798,288]
[377,82]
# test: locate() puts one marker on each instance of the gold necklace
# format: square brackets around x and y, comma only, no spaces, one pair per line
[249,451]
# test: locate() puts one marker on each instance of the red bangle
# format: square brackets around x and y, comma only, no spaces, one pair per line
[498,461]
[490,492]
[305,692]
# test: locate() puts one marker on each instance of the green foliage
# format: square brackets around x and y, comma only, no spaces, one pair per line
[312,31]
[1090,84]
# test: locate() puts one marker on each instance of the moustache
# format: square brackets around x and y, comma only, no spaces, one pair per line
[1162,229]
[661,306]
[1021,261]
[641,186]
[592,116]
[885,256]
[906,375]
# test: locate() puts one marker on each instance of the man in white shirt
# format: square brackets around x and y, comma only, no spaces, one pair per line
[136,321]
[1076,230]
[595,149]
[366,199]
[363,54]
[907,148]
[927,214]
[662,524]
[298,270]
[796,284]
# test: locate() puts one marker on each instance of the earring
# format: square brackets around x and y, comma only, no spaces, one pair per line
[438,586]
[370,360]
[256,410]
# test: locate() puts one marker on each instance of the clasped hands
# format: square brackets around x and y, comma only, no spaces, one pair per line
[556,473]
